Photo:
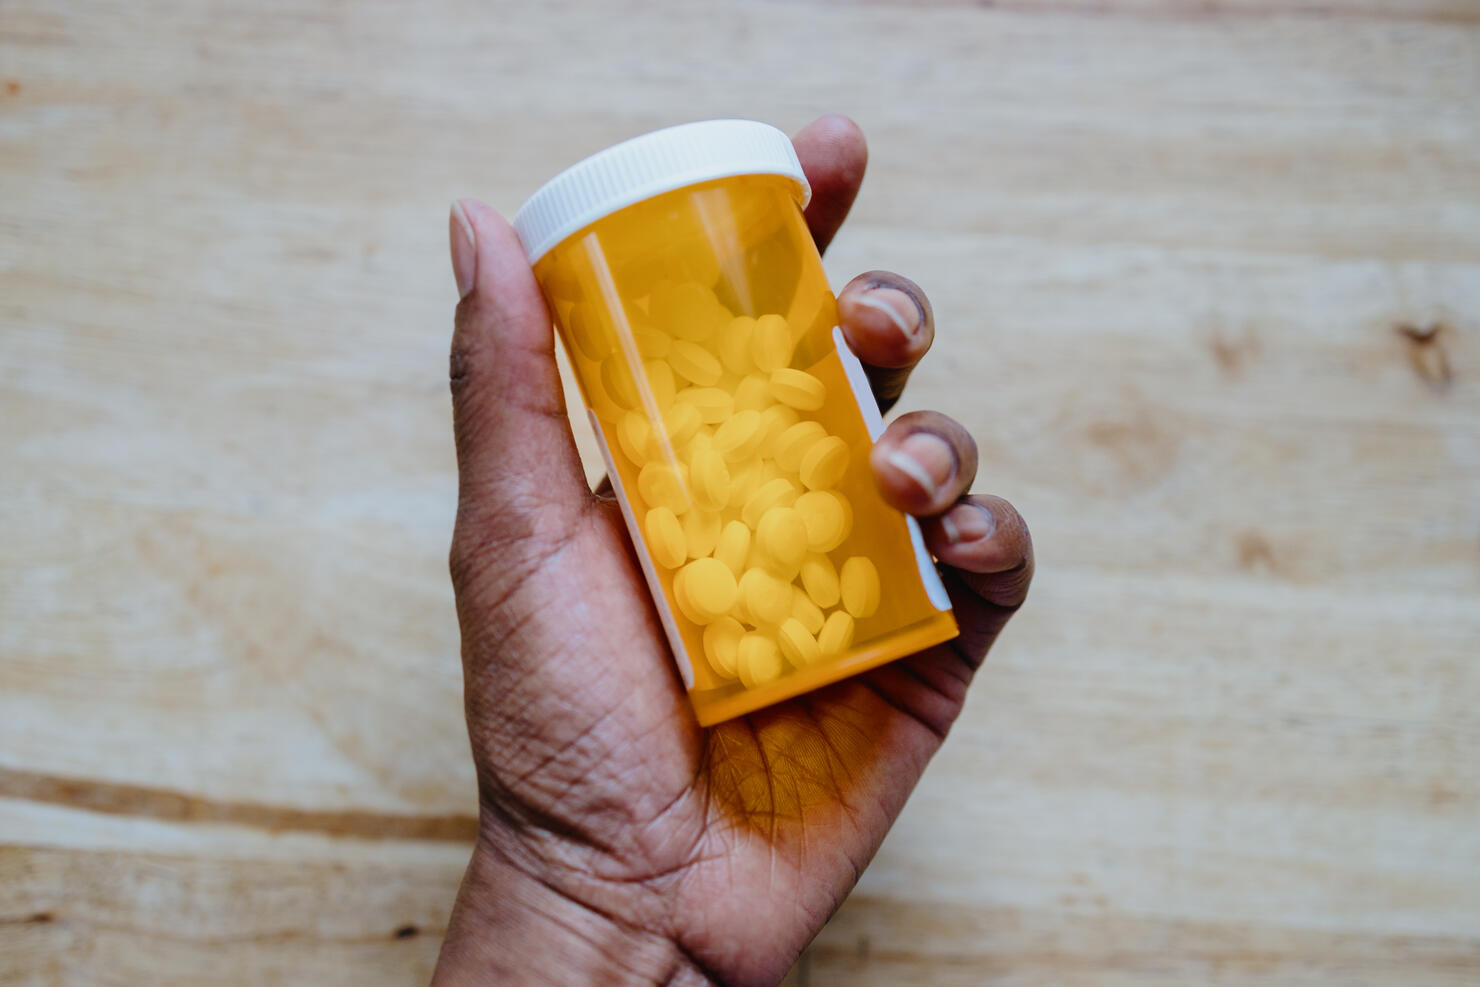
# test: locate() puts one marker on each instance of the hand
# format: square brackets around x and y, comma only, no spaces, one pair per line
[617,839]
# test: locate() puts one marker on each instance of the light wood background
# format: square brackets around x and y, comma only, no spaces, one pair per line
[1207,276]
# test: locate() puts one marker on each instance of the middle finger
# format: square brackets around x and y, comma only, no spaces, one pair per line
[924,462]
[888,323]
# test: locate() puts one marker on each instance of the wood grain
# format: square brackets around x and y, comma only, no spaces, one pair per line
[1207,276]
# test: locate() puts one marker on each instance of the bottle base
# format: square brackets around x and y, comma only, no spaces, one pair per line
[717,705]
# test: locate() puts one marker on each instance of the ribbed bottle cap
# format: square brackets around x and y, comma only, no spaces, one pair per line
[650,165]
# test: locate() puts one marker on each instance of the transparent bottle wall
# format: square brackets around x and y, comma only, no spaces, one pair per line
[700,326]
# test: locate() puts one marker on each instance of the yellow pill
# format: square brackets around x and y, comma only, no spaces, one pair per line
[702,439]
[739,436]
[775,420]
[663,485]
[757,660]
[745,480]
[733,546]
[836,634]
[635,436]
[694,363]
[711,479]
[665,538]
[782,538]
[804,610]
[799,646]
[828,518]
[713,404]
[779,492]
[709,589]
[770,343]
[824,464]
[767,598]
[616,380]
[734,345]
[561,281]
[797,388]
[680,422]
[661,382]
[653,344]
[587,329]
[859,583]
[685,310]
[794,444]
[701,531]
[820,580]
[722,645]
[753,393]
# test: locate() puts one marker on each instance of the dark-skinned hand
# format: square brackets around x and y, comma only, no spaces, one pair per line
[618,840]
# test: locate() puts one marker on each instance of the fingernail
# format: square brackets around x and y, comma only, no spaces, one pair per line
[927,459]
[967,522]
[898,307]
[464,250]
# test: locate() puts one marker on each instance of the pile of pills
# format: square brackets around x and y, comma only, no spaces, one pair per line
[736,485]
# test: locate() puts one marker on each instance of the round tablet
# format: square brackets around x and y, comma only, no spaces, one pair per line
[686,310]
[695,364]
[701,531]
[662,485]
[775,420]
[753,393]
[804,610]
[794,443]
[660,382]
[799,647]
[665,538]
[820,580]
[738,437]
[590,335]
[859,583]
[710,589]
[797,388]
[827,517]
[652,344]
[824,464]
[733,546]
[617,381]
[767,597]
[635,436]
[757,660]
[782,539]
[711,479]
[680,422]
[745,480]
[702,439]
[770,343]
[779,492]
[714,405]
[734,345]
[836,634]
[722,644]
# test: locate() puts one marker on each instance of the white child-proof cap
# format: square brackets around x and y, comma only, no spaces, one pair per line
[650,165]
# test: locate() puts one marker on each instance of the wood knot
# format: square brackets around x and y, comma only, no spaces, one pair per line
[1426,352]
[406,932]
[1254,551]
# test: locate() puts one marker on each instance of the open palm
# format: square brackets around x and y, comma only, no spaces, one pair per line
[617,838]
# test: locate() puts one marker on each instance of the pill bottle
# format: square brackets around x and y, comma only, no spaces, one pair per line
[735,422]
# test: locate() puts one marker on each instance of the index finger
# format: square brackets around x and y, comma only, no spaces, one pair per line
[833,154]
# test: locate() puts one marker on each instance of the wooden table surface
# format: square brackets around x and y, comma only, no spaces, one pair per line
[1207,275]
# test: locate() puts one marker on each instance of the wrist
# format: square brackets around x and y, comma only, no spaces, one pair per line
[509,926]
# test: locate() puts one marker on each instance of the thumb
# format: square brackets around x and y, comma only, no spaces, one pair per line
[519,475]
